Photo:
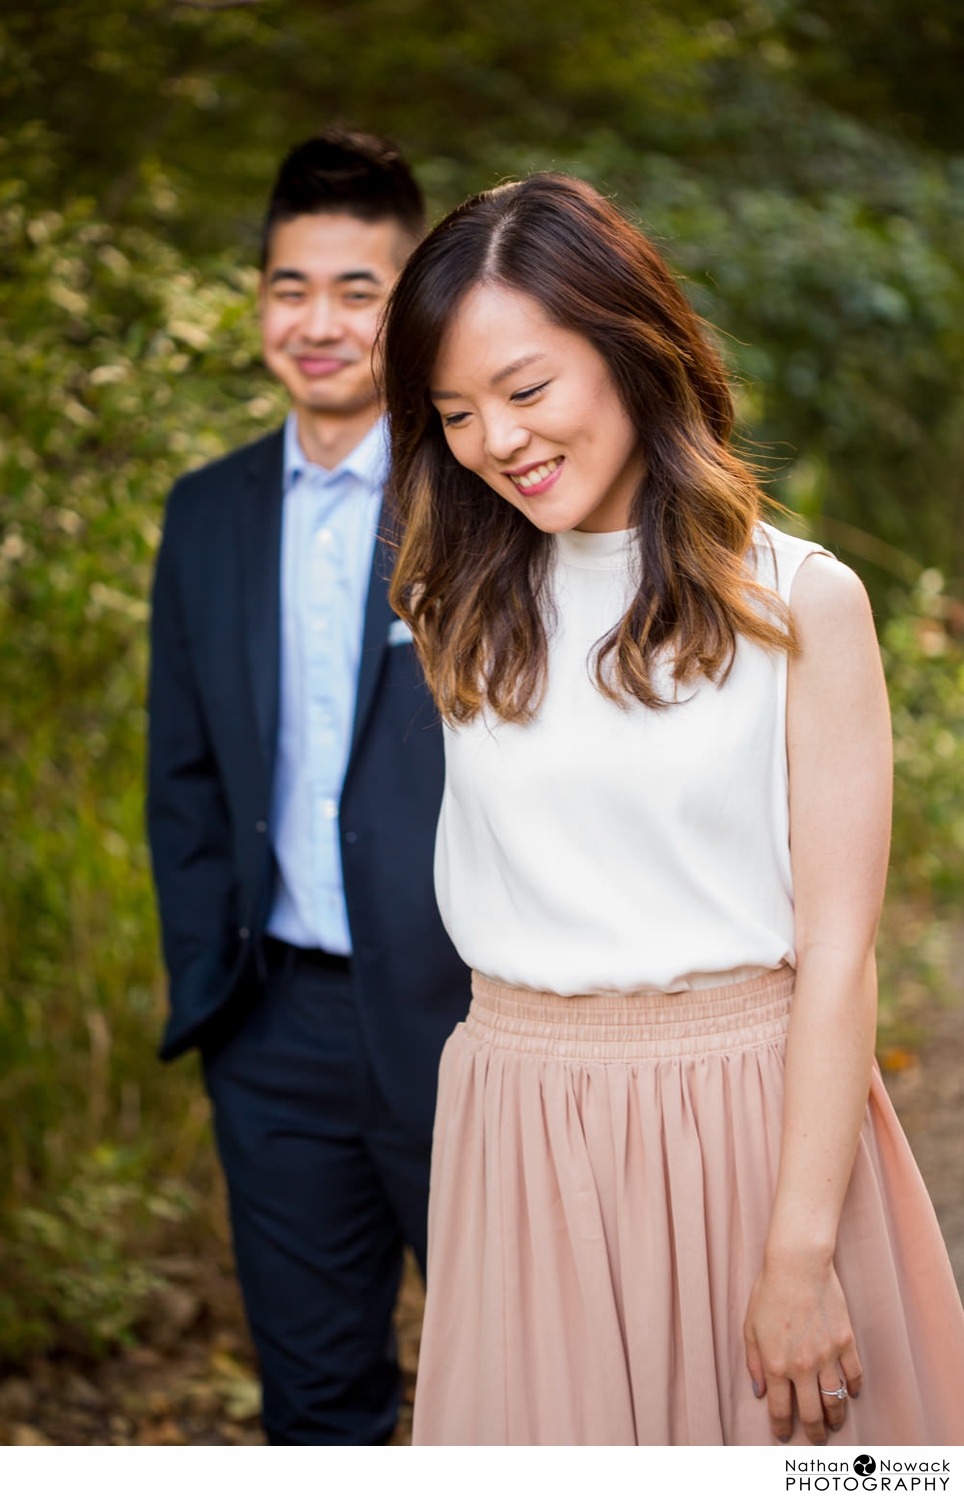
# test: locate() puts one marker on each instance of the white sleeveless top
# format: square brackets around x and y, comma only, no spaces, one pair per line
[608,848]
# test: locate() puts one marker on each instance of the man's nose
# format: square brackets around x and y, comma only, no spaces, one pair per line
[322,321]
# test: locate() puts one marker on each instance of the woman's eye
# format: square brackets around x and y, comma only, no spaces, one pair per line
[533,390]
[453,418]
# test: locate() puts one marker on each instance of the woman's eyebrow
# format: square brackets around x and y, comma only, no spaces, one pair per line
[497,378]
[515,367]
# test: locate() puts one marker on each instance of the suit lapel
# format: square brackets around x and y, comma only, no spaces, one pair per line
[378,617]
[260,523]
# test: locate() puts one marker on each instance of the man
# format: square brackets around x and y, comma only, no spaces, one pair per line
[295,780]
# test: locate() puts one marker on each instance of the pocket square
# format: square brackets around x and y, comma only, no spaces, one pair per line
[399,633]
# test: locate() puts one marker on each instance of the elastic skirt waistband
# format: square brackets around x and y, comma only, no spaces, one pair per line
[631,1026]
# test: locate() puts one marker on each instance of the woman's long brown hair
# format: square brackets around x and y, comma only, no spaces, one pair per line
[472,574]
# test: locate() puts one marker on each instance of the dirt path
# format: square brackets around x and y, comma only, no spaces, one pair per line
[194,1382]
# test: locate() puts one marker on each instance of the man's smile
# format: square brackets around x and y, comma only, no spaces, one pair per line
[314,365]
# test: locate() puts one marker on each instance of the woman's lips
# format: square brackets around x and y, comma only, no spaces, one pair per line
[538,477]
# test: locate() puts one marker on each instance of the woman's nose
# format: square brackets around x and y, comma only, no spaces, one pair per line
[505,437]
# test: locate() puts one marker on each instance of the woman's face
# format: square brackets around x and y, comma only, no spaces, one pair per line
[532,409]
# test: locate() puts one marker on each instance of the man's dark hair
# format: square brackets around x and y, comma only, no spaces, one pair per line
[345,171]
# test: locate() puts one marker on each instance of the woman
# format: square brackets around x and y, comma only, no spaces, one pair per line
[662,1208]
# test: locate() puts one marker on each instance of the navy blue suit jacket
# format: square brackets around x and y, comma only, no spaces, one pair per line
[215,656]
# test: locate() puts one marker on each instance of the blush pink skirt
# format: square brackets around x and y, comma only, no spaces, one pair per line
[602,1177]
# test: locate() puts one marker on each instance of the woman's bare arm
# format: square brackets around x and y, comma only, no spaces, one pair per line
[839,745]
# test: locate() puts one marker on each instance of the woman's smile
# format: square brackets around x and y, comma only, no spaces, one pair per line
[536,479]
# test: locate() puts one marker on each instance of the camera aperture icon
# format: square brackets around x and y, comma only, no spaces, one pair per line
[864,1464]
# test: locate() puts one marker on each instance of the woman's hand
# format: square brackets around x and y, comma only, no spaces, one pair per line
[799,1341]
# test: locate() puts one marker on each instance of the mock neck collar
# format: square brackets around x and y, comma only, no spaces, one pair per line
[610,550]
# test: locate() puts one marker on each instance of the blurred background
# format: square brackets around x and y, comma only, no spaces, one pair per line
[801,162]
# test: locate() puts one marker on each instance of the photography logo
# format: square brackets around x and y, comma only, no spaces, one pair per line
[846,1476]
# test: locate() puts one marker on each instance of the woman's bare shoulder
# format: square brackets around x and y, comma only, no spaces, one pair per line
[827,597]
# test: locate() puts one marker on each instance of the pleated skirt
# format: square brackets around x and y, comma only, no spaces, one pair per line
[602,1178]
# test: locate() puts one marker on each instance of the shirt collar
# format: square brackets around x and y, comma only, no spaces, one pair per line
[367,462]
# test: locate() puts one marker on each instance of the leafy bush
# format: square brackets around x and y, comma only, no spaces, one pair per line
[76,1268]
[923,651]
[119,368]
[924,661]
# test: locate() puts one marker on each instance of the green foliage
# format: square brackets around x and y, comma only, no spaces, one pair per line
[71,1266]
[924,659]
[923,651]
[887,61]
[120,366]
[849,306]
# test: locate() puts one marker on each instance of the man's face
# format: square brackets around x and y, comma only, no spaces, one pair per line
[321,295]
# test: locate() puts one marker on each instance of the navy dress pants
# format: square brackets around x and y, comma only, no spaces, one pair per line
[325,1190]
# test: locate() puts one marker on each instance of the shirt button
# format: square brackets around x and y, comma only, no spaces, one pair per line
[260,827]
[329,808]
[325,537]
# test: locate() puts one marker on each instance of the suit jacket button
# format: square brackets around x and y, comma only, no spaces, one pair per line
[351,838]
[244,933]
[260,826]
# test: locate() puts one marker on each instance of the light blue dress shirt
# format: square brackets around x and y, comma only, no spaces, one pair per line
[328,529]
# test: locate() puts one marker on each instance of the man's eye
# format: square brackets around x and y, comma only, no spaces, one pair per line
[356,297]
[532,390]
